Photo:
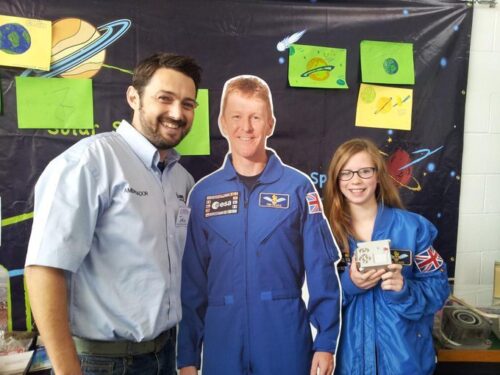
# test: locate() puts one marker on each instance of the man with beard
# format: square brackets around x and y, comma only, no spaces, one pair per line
[104,258]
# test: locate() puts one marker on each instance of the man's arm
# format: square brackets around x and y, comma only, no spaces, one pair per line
[48,297]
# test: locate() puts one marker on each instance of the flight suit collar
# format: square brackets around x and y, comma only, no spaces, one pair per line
[272,172]
[383,222]
[382,227]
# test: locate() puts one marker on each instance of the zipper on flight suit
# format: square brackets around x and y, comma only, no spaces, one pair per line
[246,198]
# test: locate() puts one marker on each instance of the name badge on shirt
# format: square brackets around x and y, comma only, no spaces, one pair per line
[183,216]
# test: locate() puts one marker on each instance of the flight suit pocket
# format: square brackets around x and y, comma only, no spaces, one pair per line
[286,223]
[221,300]
[280,294]
[217,240]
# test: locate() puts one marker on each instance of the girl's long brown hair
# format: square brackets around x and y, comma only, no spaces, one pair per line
[336,206]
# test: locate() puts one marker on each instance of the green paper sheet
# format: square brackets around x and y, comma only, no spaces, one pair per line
[197,142]
[54,103]
[387,62]
[317,67]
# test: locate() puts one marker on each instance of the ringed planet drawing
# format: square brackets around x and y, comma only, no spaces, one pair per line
[84,48]
[400,166]
[324,68]
[401,171]
[317,67]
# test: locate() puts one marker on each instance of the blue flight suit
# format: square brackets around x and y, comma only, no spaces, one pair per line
[387,332]
[243,269]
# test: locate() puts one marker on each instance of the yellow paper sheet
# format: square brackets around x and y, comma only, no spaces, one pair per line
[25,42]
[384,107]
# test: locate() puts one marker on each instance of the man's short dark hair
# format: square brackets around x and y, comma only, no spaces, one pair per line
[147,67]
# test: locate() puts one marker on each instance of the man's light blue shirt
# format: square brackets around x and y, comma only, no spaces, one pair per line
[108,216]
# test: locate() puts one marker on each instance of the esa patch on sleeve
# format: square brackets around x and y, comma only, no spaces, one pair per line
[222,204]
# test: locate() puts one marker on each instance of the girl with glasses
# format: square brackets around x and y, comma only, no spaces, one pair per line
[387,313]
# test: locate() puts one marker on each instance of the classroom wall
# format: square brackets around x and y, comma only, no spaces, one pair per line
[479,219]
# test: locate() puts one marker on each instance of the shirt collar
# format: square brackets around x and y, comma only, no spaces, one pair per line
[271,173]
[148,153]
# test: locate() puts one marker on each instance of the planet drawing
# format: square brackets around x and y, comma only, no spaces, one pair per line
[70,35]
[14,38]
[78,48]
[399,166]
[317,69]
[390,66]
[383,105]
[401,171]
[368,94]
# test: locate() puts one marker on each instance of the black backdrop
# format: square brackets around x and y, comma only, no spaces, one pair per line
[240,37]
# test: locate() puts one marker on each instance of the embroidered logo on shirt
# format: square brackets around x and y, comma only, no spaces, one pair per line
[131,190]
[402,257]
[273,200]
[222,204]
[428,260]
[313,203]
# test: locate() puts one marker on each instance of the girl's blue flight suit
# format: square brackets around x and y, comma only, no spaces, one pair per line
[388,332]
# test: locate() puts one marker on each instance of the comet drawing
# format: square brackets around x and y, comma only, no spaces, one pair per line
[286,42]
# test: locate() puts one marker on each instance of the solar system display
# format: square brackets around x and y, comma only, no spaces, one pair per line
[103,41]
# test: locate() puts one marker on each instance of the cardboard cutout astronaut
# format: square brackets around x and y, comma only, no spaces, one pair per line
[256,229]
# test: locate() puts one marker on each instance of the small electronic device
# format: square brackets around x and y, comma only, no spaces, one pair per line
[373,255]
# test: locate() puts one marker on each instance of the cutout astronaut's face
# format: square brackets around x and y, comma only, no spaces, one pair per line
[246,122]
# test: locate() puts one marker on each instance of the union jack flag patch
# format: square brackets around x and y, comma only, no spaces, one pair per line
[428,260]
[313,203]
